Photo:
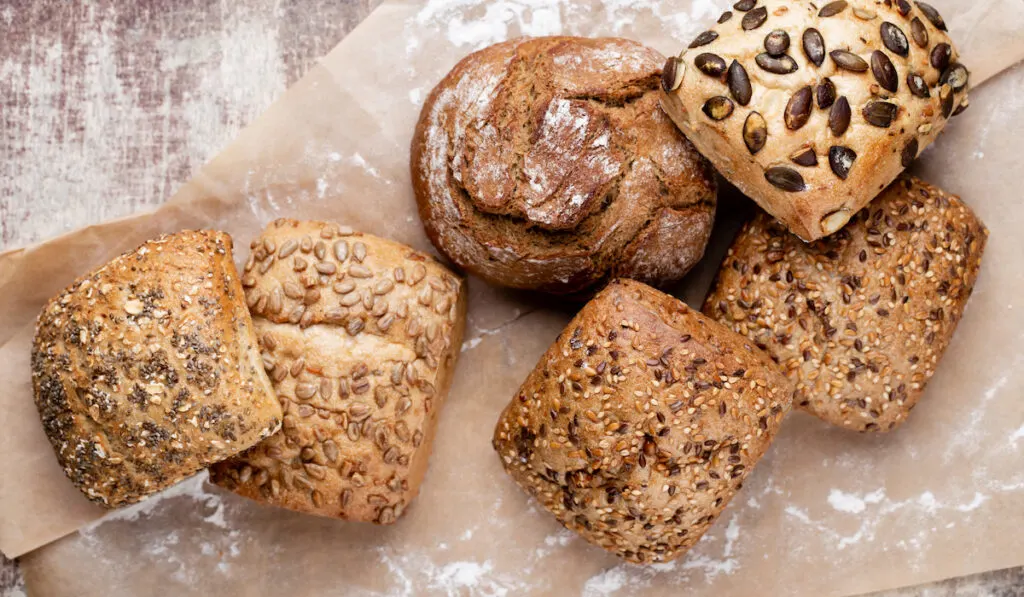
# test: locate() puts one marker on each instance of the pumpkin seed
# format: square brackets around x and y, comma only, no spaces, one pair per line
[739,83]
[711,65]
[839,116]
[879,113]
[894,39]
[832,8]
[932,15]
[919,32]
[672,74]
[744,5]
[946,97]
[754,19]
[777,42]
[798,110]
[718,108]
[917,85]
[725,17]
[884,71]
[848,61]
[805,157]
[826,93]
[755,132]
[841,160]
[940,56]
[779,65]
[785,178]
[814,46]
[956,75]
[903,7]
[703,39]
[909,152]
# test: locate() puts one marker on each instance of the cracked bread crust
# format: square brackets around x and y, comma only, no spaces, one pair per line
[641,421]
[546,164]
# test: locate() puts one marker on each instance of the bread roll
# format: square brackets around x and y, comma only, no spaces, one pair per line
[858,320]
[546,164]
[812,108]
[146,370]
[360,336]
[641,422]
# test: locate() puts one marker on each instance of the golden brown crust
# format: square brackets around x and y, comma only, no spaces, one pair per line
[146,370]
[641,422]
[360,336]
[543,164]
[853,159]
[858,320]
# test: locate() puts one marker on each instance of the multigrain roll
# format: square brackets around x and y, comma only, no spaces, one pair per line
[641,422]
[146,370]
[360,336]
[859,320]
[546,164]
[812,108]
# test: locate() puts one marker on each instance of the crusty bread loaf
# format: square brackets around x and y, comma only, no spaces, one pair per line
[146,370]
[546,164]
[360,336]
[812,108]
[859,320]
[641,422]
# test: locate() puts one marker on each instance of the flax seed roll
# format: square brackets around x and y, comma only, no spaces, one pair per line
[641,422]
[360,336]
[859,320]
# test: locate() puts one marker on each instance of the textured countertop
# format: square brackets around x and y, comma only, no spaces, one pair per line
[107,106]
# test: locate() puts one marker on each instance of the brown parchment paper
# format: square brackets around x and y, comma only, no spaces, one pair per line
[827,512]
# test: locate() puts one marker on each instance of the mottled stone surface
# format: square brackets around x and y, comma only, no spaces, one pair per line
[106,107]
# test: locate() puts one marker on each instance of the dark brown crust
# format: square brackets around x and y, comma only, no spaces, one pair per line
[146,371]
[858,320]
[641,422]
[360,336]
[538,163]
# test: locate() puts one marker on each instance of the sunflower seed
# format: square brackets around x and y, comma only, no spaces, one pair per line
[354,327]
[358,251]
[780,65]
[718,108]
[834,221]
[703,39]
[289,247]
[903,7]
[754,19]
[785,178]
[879,113]
[341,251]
[825,93]
[909,152]
[672,74]
[917,85]
[919,32]
[744,5]
[805,157]
[755,132]
[710,64]
[932,15]
[326,268]
[359,271]
[848,61]
[739,83]
[884,71]
[940,56]
[841,160]
[832,8]
[798,110]
[956,76]
[839,116]
[814,46]
[725,17]
[777,42]
[894,39]
[864,14]
[320,250]
[946,97]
